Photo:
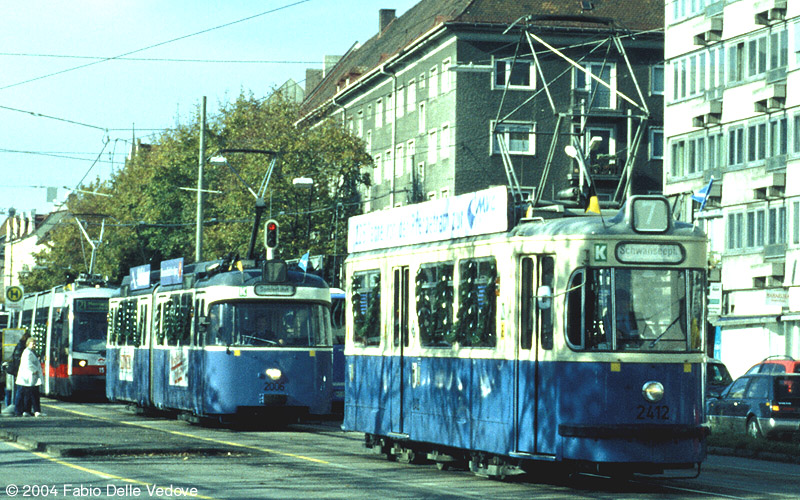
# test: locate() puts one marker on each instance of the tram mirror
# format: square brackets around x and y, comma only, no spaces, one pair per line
[544,297]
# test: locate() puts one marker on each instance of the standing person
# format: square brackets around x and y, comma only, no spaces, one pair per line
[29,378]
[13,367]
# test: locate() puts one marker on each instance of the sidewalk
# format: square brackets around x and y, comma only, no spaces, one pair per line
[69,434]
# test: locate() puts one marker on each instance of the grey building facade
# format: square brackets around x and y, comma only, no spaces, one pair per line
[439,92]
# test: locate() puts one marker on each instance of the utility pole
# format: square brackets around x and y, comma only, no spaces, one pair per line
[201,161]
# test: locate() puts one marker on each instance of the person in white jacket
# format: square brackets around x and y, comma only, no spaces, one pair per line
[29,378]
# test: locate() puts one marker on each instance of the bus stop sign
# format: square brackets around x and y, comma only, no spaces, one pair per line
[14,296]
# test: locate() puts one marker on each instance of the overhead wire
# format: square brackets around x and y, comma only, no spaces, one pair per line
[159,44]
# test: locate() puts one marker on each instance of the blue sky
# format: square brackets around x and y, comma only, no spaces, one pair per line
[146,93]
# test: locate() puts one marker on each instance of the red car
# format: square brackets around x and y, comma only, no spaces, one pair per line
[776,364]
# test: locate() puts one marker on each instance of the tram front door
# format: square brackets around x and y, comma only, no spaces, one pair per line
[534,339]
[400,378]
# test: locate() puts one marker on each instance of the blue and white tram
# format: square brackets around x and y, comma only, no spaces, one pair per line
[576,340]
[224,344]
[338,325]
[69,323]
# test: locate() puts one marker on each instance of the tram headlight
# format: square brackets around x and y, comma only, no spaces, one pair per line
[274,374]
[653,391]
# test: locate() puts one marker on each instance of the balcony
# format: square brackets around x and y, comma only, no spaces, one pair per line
[770,11]
[769,98]
[706,114]
[708,31]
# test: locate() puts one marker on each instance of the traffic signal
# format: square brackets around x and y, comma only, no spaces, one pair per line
[271,233]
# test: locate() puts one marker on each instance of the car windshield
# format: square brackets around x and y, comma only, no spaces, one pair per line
[636,309]
[268,324]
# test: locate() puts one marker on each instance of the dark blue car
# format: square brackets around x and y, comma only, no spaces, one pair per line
[762,405]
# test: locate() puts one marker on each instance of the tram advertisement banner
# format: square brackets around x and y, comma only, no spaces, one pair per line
[179,367]
[172,272]
[126,363]
[471,214]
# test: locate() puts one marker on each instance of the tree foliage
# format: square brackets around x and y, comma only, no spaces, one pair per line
[150,215]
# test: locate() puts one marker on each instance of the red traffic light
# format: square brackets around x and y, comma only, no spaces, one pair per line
[271,234]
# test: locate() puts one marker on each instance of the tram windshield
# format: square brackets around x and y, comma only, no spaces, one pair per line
[90,325]
[639,310]
[269,324]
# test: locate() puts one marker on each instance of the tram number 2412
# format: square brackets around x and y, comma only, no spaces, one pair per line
[652,412]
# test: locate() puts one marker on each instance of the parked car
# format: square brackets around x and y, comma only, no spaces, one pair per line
[717,378]
[776,364]
[761,405]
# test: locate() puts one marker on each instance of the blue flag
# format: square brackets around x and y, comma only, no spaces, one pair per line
[303,264]
[701,196]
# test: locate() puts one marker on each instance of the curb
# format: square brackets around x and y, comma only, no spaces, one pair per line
[758,455]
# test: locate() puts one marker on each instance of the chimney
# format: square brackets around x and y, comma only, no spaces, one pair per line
[385,16]
[313,78]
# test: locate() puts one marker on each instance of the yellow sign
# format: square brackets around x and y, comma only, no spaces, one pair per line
[14,296]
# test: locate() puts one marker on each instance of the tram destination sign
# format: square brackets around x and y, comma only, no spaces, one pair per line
[650,253]
[471,214]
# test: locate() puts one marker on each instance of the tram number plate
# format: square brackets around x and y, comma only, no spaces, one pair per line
[652,412]
[274,387]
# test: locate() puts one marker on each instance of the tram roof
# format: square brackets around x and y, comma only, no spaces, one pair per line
[616,225]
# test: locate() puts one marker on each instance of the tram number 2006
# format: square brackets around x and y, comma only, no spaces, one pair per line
[274,386]
[652,412]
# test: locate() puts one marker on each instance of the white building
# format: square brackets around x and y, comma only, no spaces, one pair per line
[732,112]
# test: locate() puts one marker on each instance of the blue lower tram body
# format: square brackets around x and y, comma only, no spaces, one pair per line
[225,382]
[588,412]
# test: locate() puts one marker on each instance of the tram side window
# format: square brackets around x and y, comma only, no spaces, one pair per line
[434,290]
[40,329]
[547,279]
[178,319]
[575,317]
[124,324]
[366,301]
[477,303]
[141,326]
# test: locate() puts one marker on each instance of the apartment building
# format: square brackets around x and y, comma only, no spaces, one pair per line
[732,114]
[438,92]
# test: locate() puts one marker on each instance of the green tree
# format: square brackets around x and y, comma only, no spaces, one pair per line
[150,218]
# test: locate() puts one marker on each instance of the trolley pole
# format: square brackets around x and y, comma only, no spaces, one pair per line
[198,240]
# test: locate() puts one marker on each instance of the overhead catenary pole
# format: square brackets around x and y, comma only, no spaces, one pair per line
[201,160]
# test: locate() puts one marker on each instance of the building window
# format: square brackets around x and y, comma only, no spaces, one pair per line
[377,163]
[778,49]
[760,227]
[696,155]
[400,159]
[379,113]
[776,231]
[779,136]
[735,222]
[756,142]
[433,82]
[447,76]
[411,101]
[410,152]
[401,103]
[657,79]
[678,158]
[757,56]
[421,171]
[736,62]
[656,143]
[360,124]
[796,223]
[715,151]
[388,166]
[432,146]
[512,74]
[736,146]
[796,134]
[421,118]
[389,109]
[597,95]
[519,138]
[368,141]
[445,140]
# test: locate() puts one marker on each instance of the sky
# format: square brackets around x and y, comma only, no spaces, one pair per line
[78,78]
